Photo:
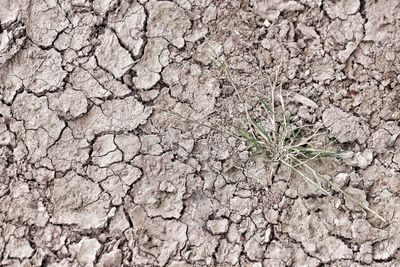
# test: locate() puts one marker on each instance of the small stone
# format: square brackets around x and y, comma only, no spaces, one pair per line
[342,179]
[268,235]
[85,251]
[396,115]
[305,101]
[218,227]
[365,158]
[380,141]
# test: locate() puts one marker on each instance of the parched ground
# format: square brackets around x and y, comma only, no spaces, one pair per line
[95,171]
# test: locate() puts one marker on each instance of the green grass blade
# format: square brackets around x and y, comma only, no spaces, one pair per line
[264,104]
[260,129]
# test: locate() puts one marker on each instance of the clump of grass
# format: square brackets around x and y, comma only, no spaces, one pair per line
[274,136]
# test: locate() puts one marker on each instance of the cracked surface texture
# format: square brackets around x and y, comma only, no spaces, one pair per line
[95,171]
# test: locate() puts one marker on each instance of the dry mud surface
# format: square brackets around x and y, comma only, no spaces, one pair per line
[94,171]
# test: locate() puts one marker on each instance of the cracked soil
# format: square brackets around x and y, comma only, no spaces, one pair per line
[95,171]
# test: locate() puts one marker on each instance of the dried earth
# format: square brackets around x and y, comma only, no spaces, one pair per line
[94,171]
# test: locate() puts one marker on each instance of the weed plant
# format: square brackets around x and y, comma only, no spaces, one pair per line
[274,136]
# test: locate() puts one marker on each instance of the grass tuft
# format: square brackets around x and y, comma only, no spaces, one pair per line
[274,136]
